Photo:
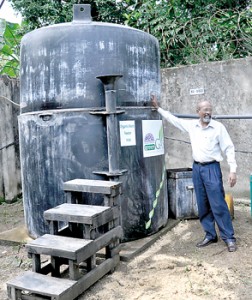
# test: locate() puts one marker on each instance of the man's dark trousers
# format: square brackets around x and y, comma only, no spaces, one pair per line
[210,195]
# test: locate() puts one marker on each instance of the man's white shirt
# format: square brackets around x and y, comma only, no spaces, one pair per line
[208,143]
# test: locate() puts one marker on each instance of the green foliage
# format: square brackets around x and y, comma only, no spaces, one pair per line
[9,48]
[2,200]
[188,31]
[191,32]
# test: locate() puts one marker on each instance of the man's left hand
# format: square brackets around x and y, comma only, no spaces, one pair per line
[232,179]
[154,101]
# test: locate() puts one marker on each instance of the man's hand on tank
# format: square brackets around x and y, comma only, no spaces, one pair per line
[154,101]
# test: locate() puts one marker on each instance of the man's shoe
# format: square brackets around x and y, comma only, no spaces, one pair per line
[231,246]
[206,242]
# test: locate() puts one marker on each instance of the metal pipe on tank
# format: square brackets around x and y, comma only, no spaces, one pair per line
[111,118]
[110,92]
[193,116]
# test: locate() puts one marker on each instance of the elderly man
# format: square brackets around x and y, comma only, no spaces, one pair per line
[209,139]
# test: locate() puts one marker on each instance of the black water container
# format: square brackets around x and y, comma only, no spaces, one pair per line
[61,138]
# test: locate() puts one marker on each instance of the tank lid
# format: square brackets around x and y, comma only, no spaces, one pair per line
[82,13]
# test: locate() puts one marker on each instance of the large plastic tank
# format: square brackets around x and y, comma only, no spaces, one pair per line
[60,140]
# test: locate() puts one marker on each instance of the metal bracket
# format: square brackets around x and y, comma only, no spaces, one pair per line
[110,174]
[190,187]
[82,13]
[105,113]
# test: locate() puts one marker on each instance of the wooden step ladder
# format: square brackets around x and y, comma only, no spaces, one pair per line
[74,263]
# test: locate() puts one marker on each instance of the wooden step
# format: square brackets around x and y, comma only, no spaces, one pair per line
[59,246]
[94,219]
[38,284]
[83,214]
[112,188]
[77,250]
[71,251]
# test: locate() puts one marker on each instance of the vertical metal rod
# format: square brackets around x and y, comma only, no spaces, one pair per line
[112,126]
[112,138]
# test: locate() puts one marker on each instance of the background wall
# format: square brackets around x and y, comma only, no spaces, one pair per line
[10,181]
[228,86]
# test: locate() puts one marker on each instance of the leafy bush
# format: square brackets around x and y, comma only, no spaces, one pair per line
[10,37]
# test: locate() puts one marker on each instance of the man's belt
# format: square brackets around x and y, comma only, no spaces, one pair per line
[205,163]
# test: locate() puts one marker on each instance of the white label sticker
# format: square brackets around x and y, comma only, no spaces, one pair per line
[127,133]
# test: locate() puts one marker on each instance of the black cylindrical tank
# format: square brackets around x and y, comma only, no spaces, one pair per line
[59,64]
[61,140]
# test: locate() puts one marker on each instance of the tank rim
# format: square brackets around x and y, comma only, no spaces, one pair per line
[91,24]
